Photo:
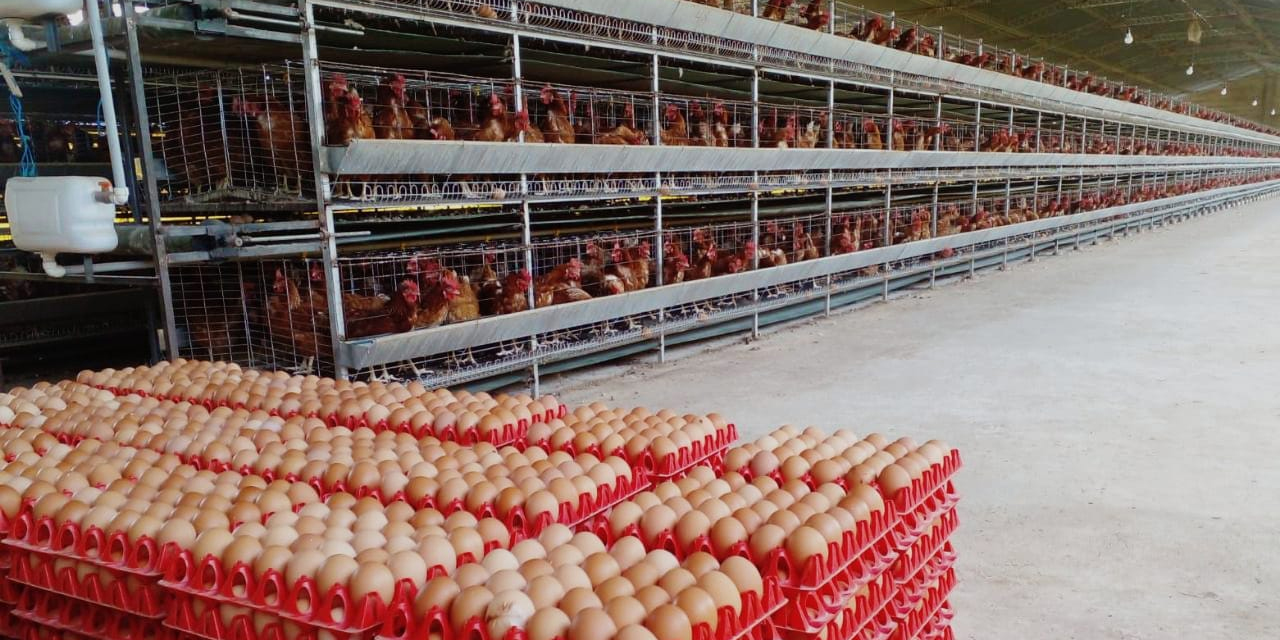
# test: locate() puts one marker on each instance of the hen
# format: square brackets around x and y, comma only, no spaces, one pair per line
[676,133]
[391,120]
[400,314]
[281,136]
[560,285]
[557,128]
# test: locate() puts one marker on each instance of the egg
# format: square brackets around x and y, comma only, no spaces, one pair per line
[373,579]
[763,463]
[437,593]
[677,580]
[508,609]
[744,575]
[893,479]
[722,589]
[578,599]
[765,539]
[601,566]
[625,611]
[669,622]
[548,624]
[698,605]
[627,552]
[728,532]
[470,603]
[337,570]
[804,543]
[545,591]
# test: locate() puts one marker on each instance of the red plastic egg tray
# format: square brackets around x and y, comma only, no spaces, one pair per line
[509,434]
[67,614]
[927,607]
[142,597]
[710,452]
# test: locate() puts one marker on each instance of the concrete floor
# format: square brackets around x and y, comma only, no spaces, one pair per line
[1116,409]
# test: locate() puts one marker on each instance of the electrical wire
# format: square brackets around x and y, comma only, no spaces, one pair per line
[27,164]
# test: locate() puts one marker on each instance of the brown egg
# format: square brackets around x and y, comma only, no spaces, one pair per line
[804,543]
[698,605]
[728,532]
[337,569]
[437,593]
[785,519]
[744,575]
[572,577]
[627,552]
[545,591]
[592,624]
[652,597]
[615,587]
[722,589]
[669,622]
[470,603]
[303,563]
[765,539]
[601,566]
[893,479]
[548,624]
[690,527]
[577,599]
[642,574]
[635,632]
[623,516]
[625,611]
[656,520]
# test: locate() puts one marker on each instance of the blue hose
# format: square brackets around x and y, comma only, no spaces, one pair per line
[27,165]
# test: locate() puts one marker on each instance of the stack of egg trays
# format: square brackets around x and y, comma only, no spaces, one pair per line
[816,593]
[571,513]
[510,433]
[231,603]
[924,572]
[9,624]
[58,574]
[709,451]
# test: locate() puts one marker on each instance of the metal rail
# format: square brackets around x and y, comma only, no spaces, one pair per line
[362,354]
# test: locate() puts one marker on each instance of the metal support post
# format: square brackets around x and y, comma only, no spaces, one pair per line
[659,241]
[977,126]
[149,171]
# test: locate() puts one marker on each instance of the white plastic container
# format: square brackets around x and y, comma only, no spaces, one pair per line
[54,215]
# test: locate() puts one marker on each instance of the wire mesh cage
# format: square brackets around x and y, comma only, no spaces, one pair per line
[268,314]
[237,134]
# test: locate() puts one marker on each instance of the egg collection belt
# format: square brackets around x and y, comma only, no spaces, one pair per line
[201,500]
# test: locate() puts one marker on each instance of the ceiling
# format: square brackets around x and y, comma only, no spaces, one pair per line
[1239,49]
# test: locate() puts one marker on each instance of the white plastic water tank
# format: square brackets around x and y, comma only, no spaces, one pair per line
[70,214]
[28,9]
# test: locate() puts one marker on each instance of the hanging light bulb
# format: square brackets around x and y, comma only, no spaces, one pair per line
[1128,36]
[1273,112]
[1255,102]
[1224,91]
[1191,68]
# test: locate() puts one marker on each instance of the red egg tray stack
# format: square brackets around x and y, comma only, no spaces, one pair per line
[709,451]
[752,622]
[509,433]
[83,582]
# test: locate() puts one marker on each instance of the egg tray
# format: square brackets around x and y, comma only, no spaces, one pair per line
[210,625]
[709,451]
[939,628]
[508,435]
[856,613]
[112,551]
[810,609]
[67,614]
[146,600]
[28,630]
[927,607]
[211,582]
[910,593]
[11,626]
[752,622]
[910,526]
[929,545]
[910,499]
[869,541]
